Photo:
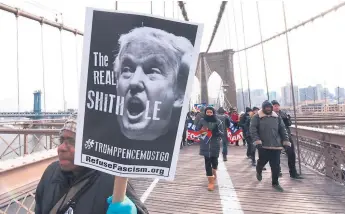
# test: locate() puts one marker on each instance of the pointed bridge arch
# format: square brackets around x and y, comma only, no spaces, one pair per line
[222,64]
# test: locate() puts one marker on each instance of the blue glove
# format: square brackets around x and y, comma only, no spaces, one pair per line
[124,207]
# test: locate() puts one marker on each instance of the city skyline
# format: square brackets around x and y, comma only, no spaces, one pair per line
[284,97]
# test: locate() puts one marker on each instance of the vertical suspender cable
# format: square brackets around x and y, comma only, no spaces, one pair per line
[226,32]
[239,58]
[263,52]
[43,69]
[62,72]
[238,54]
[164,8]
[76,57]
[116,5]
[151,7]
[173,9]
[43,76]
[245,53]
[292,88]
[18,91]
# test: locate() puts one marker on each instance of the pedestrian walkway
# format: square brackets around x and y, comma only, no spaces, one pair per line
[242,193]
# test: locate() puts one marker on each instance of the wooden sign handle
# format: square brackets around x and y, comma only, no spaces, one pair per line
[120,186]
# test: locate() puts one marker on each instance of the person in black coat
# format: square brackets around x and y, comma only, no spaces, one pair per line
[209,147]
[67,188]
[290,151]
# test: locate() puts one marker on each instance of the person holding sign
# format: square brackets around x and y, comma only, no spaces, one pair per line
[211,130]
[68,188]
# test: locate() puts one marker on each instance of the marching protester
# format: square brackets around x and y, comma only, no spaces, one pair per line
[199,115]
[244,124]
[226,123]
[235,118]
[67,188]
[255,110]
[268,132]
[210,144]
[290,151]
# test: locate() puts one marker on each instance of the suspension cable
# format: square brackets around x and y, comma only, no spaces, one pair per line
[227,34]
[17,35]
[296,26]
[38,18]
[220,14]
[183,10]
[62,73]
[238,55]
[43,69]
[246,57]
[292,88]
[76,57]
[262,49]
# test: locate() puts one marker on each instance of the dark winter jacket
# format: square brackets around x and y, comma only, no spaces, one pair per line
[269,131]
[212,148]
[244,124]
[287,121]
[225,119]
[55,183]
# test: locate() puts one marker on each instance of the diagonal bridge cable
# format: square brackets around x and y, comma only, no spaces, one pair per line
[219,18]
[342,4]
[183,10]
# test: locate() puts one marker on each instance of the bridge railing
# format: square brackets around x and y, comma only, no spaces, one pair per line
[21,142]
[323,151]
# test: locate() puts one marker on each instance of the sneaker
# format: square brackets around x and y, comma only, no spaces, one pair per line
[264,168]
[225,158]
[253,164]
[278,187]
[280,174]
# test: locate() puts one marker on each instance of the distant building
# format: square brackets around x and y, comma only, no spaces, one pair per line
[310,93]
[286,95]
[340,94]
[273,95]
[239,97]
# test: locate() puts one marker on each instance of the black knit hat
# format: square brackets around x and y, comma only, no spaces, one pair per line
[210,108]
[275,102]
[248,109]
[266,103]
[255,108]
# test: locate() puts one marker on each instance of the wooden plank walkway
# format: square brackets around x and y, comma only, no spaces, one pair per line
[188,192]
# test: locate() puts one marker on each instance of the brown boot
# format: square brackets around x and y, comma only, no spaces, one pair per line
[210,186]
[214,171]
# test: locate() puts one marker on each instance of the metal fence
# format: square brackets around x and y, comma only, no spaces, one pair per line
[323,151]
[19,142]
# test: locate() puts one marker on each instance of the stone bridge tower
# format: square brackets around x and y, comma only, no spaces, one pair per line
[221,63]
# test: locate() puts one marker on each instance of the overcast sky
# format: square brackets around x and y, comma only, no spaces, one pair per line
[317,49]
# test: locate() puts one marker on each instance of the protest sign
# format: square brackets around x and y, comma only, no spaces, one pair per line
[234,133]
[136,79]
[192,133]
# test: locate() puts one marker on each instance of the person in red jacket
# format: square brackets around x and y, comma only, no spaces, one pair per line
[235,118]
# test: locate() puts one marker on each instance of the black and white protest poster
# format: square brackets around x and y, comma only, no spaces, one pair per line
[136,80]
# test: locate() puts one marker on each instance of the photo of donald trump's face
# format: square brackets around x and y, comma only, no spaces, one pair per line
[151,65]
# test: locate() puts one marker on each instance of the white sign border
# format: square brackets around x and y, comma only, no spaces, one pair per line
[83,88]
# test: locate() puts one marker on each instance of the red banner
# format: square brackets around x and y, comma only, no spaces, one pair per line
[193,135]
[236,136]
